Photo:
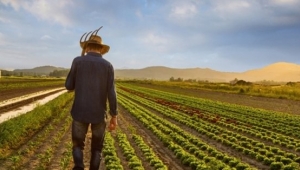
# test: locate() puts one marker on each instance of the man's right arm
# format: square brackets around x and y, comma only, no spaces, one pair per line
[70,81]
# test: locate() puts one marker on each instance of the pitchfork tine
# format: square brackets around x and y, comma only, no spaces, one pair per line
[87,36]
[82,37]
[98,30]
[83,48]
[92,34]
[95,32]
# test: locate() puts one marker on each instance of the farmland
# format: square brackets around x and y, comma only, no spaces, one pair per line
[161,128]
[14,87]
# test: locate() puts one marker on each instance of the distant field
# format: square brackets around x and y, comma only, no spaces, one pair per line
[289,90]
[11,87]
[160,127]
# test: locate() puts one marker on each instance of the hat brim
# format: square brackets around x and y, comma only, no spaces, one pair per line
[104,50]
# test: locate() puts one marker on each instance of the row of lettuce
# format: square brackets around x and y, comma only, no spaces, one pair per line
[42,131]
[271,148]
[112,161]
[279,128]
[189,149]
[7,84]
[240,136]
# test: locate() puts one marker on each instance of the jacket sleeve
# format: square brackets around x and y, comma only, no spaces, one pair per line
[70,81]
[112,96]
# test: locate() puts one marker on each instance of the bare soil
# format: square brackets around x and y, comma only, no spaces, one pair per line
[275,104]
[126,120]
[15,105]
[8,94]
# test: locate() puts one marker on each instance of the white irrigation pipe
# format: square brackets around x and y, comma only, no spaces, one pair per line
[24,109]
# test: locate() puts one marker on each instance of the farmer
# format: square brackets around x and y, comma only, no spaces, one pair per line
[92,79]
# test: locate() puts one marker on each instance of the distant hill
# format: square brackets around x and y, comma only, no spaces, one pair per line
[165,73]
[39,70]
[280,72]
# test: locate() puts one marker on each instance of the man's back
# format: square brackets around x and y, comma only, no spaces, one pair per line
[91,77]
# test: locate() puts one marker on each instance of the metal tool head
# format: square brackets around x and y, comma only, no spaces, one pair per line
[87,37]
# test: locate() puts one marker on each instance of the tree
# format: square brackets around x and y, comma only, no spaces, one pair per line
[59,73]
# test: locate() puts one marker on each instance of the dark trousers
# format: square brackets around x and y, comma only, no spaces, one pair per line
[79,131]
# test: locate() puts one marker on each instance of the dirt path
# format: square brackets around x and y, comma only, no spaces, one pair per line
[4,95]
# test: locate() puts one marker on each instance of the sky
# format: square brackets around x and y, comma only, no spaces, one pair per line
[223,35]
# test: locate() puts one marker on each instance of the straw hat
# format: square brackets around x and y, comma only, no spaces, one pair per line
[93,39]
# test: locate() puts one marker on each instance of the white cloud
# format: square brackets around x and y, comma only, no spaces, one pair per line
[172,30]
[183,10]
[46,37]
[156,42]
[4,20]
[232,6]
[14,3]
[3,40]
[51,11]
[139,14]
[285,2]
[154,39]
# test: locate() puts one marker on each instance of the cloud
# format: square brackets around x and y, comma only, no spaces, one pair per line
[285,2]
[4,20]
[152,32]
[14,3]
[231,6]
[2,40]
[153,39]
[46,37]
[183,10]
[52,11]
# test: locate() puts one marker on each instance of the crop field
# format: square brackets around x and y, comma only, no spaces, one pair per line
[158,129]
[14,87]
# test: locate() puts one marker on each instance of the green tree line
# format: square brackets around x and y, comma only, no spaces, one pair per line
[55,73]
[59,73]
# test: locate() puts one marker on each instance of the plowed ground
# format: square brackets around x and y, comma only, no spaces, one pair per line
[30,159]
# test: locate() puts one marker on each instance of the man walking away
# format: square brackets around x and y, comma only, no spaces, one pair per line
[92,79]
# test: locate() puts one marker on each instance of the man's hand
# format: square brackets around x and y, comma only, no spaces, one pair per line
[113,123]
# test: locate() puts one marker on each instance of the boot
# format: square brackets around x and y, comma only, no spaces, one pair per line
[95,160]
[78,159]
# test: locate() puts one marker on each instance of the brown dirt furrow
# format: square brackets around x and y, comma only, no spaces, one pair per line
[87,149]
[275,104]
[266,142]
[164,153]
[217,145]
[59,155]
[119,152]
[125,127]
[50,145]
[5,95]
[27,150]
[15,105]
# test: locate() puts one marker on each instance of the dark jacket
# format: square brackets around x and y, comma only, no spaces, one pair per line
[92,78]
